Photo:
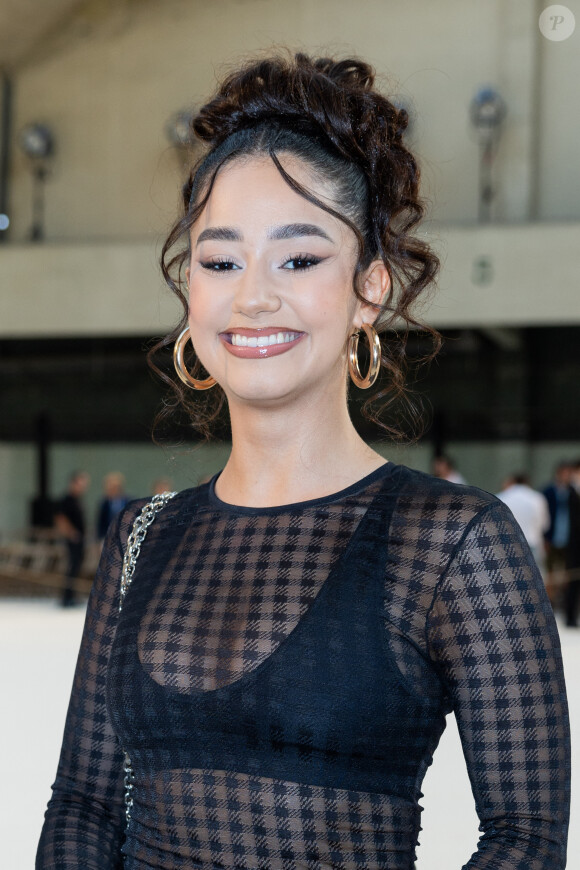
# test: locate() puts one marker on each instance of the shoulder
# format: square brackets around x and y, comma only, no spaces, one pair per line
[119,529]
[169,508]
[435,497]
[539,497]
[432,520]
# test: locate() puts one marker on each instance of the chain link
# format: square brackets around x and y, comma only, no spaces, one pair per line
[134,541]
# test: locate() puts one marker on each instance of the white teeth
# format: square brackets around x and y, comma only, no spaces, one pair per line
[263,340]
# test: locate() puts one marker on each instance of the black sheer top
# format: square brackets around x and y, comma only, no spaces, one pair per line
[280,679]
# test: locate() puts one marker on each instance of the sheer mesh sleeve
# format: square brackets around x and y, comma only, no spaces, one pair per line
[84,821]
[492,634]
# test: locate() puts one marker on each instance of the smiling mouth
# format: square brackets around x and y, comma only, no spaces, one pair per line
[260,343]
[261,340]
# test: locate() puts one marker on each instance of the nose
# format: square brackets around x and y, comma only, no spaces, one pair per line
[255,293]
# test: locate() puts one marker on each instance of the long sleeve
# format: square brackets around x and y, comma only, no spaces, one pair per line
[493,638]
[84,821]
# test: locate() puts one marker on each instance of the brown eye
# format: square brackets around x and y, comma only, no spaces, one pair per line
[219,265]
[301,262]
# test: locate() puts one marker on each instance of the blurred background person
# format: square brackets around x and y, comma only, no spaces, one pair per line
[572,589]
[445,469]
[69,520]
[557,535]
[161,485]
[113,503]
[530,509]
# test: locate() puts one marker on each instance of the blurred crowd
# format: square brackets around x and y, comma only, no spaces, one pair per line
[70,520]
[550,522]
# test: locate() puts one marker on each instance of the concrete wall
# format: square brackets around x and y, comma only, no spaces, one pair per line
[109,82]
[559,125]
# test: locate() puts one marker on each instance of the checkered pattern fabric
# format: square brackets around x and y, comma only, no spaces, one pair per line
[242,585]
[491,633]
[222,819]
[219,593]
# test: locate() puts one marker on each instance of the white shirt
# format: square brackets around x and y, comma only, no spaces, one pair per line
[530,509]
[455,477]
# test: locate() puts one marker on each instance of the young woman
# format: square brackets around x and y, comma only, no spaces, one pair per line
[293,633]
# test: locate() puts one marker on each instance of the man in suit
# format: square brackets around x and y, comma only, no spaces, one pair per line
[558,533]
[69,519]
[114,501]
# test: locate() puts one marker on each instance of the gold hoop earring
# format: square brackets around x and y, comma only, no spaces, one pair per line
[375,363]
[179,364]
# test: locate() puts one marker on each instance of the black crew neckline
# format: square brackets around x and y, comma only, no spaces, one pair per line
[382,471]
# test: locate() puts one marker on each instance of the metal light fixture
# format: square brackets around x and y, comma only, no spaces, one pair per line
[37,142]
[487,113]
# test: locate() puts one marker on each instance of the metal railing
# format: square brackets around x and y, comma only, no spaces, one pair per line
[36,561]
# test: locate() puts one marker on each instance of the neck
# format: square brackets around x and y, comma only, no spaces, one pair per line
[282,455]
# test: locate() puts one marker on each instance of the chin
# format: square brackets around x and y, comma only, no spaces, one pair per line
[262,393]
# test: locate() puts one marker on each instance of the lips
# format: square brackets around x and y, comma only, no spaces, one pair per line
[260,343]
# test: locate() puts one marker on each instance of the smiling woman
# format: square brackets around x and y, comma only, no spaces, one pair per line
[269,658]
[270,278]
[337,144]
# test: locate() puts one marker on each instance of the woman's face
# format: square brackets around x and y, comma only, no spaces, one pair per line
[271,300]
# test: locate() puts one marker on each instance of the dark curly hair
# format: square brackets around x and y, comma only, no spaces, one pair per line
[327,113]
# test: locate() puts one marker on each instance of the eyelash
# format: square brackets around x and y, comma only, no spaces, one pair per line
[212,265]
[305,258]
[221,264]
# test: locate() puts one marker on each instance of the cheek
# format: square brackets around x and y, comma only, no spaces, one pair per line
[336,303]
[204,305]
[204,324]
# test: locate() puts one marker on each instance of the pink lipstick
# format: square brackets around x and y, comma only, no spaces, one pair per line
[260,343]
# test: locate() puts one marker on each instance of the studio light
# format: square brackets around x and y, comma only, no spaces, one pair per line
[37,143]
[487,112]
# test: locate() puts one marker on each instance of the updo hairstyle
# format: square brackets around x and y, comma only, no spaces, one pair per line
[326,113]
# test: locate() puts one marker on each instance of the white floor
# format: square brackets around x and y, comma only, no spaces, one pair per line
[38,645]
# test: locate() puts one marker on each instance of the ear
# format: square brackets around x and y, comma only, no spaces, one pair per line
[376,287]
[187,274]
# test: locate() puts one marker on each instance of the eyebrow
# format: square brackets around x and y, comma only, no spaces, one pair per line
[275,234]
[219,234]
[291,231]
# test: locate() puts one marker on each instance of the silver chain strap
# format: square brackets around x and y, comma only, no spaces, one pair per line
[134,541]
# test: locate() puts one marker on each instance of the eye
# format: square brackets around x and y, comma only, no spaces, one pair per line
[301,262]
[219,264]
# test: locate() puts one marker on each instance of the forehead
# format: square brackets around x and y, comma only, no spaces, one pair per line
[252,186]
